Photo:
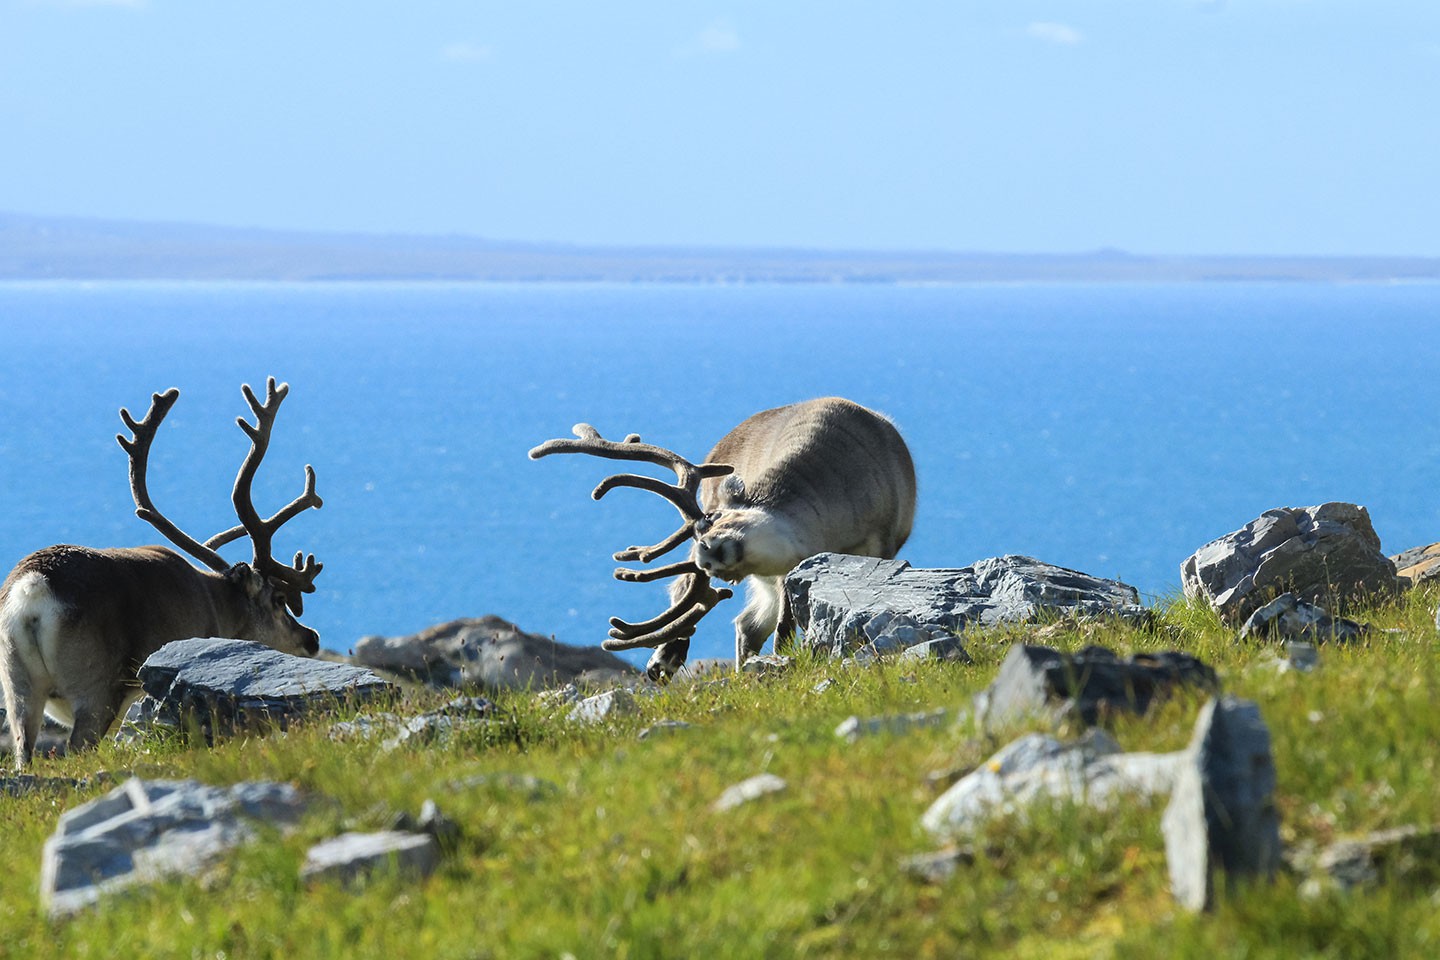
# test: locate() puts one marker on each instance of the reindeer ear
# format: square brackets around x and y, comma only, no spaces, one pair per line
[732,491]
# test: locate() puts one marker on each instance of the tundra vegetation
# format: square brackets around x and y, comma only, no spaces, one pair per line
[627,856]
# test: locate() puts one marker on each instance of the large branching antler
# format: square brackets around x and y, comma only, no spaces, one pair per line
[296,580]
[698,596]
[137,448]
[300,578]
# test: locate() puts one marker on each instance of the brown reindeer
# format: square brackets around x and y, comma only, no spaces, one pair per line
[786,484]
[76,623]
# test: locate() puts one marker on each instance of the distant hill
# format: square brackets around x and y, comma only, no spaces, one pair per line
[46,248]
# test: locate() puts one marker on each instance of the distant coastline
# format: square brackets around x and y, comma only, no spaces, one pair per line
[53,248]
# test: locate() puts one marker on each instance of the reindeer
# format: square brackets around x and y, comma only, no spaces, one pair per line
[788,483]
[76,623]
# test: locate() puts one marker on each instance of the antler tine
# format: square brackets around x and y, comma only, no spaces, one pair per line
[679,620]
[137,448]
[688,475]
[646,554]
[299,578]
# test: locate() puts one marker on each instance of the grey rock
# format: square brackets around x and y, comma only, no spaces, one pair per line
[1404,853]
[430,821]
[767,664]
[432,726]
[144,831]
[352,857]
[846,604]
[1089,684]
[852,729]
[1092,770]
[939,865]
[1326,554]
[22,784]
[604,706]
[748,790]
[1418,565]
[1222,816]
[1300,657]
[530,787]
[1287,617]
[429,729]
[491,653]
[220,686]
[947,649]
[662,727]
[823,685]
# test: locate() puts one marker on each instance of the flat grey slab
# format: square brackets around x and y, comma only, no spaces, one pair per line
[354,856]
[145,830]
[222,685]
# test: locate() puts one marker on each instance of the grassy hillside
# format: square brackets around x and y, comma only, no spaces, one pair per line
[625,857]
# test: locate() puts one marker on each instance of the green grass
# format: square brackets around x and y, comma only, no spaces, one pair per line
[627,859]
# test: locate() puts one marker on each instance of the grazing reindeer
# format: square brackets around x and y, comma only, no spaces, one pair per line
[76,623]
[786,484]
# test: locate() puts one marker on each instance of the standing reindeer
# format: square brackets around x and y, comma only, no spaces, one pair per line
[786,484]
[76,623]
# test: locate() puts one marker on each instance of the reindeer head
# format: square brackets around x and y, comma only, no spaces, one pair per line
[272,592]
[697,597]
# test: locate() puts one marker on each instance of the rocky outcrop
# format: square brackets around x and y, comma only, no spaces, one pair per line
[219,686]
[1418,564]
[1328,555]
[844,604]
[490,653]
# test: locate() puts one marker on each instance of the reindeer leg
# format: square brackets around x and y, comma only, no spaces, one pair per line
[24,711]
[94,713]
[785,630]
[758,620]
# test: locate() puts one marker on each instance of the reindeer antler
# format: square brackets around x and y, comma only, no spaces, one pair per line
[297,579]
[699,596]
[137,448]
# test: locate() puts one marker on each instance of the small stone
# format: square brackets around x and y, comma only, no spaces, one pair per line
[853,728]
[823,685]
[604,706]
[940,865]
[660,727]
[531,787]
[1287,617]
[944,649]
[767,664]
[748,790]
[351,857]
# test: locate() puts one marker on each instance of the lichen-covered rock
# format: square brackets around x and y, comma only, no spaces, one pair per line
[844,604]
[1092,770]
[1418,564]
[491,653]
[1328,555]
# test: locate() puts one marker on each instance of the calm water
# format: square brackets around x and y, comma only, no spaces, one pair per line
[1113,429]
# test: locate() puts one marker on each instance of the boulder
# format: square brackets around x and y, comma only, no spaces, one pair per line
[1090,684]
[1418,565]
[844,603]
[1287,617]
[219,686]
[1092,770]
[491,653]
[1327,554]
[143,831]
[1222,817]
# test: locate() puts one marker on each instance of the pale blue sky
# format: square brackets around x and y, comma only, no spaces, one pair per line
[1157,126]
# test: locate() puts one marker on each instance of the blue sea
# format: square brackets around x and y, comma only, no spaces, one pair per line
[1109,428]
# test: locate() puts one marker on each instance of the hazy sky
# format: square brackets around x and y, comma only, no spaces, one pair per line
[1162,126]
